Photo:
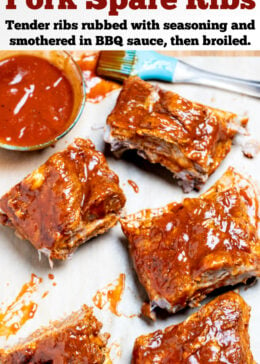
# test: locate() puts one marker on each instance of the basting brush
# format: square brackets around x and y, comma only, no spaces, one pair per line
[150,65]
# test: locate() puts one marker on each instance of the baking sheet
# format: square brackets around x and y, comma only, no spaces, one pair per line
[101,260]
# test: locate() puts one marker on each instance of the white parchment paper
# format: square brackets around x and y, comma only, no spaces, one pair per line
[101,260]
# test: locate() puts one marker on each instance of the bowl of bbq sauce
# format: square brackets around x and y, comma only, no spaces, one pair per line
[42,95]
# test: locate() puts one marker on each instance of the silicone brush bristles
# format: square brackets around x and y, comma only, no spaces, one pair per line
[117,65]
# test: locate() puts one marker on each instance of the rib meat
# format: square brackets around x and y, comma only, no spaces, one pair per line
[183,251]
[217,334]
[77,339]
[68,200]
[188,138]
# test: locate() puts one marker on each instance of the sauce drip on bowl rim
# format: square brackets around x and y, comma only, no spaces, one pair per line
[36,101]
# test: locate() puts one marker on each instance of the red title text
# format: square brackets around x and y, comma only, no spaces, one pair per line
[114,6]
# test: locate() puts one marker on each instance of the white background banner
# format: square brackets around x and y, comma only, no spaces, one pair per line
[151,28]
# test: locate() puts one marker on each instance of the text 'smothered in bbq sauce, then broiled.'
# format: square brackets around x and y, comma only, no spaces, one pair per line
[36,101]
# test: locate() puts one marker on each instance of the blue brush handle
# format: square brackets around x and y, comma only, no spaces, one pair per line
[155,66]
[151,65]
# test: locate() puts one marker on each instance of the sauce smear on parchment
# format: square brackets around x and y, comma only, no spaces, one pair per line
[133,185]
[21,309]
[111,295]
[36,101]
[97,87]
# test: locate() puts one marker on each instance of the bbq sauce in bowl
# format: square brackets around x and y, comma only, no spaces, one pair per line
[38,103]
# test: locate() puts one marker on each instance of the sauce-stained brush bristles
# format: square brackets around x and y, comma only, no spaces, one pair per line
[117,65]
